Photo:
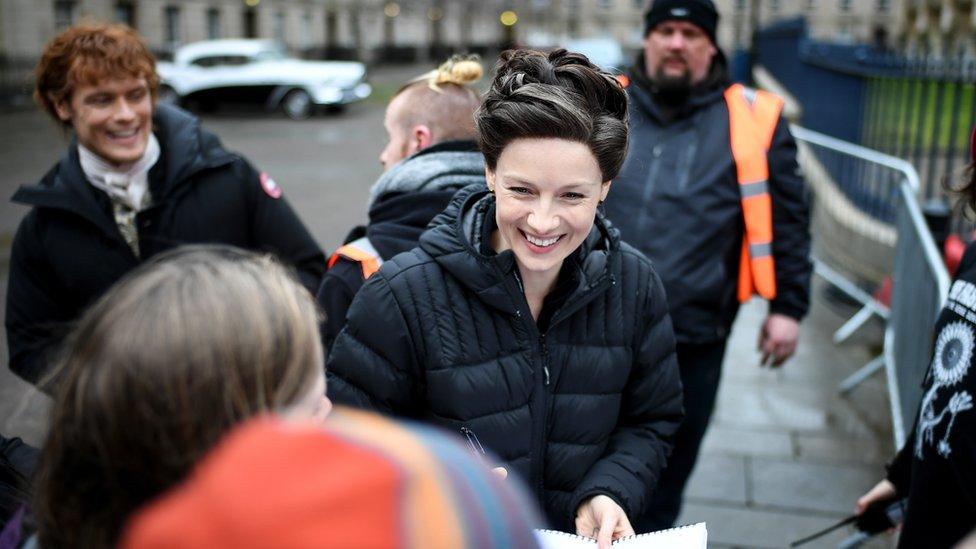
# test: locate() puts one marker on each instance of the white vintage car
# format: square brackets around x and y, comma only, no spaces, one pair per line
[262,72]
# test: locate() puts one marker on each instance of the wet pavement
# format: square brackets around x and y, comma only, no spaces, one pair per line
[786,454]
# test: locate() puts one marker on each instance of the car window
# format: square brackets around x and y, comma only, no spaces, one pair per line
[236,60]
[221,60]
[206,61]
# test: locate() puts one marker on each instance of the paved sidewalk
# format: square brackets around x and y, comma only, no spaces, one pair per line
[786,455]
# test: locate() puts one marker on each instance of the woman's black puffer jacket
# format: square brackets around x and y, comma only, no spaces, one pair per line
[444,333]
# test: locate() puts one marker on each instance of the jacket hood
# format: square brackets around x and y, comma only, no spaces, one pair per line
[645,93]
[454,241]
[186,149]
[450,165]
[396,220]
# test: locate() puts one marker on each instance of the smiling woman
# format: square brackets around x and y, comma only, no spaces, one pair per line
[522,317]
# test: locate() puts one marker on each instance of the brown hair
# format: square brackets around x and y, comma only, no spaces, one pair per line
[965,191]
[87,53]
[442,100]
[557,95]
[171,358]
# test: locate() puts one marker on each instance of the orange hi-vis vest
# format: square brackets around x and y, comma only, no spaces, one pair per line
[753,115]
[360,251]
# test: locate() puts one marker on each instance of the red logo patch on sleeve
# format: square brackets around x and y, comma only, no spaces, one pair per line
[270,187]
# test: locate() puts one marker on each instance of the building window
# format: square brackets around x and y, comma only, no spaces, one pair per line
[250,23]
[125,12]
[845,5]
[279,26]
[213,23]
[307,29]
[774,6]
[172,18]
[639,4]
[884,5]
[605,4]
[811,5]
[331,28]
[65,13]
[740,5]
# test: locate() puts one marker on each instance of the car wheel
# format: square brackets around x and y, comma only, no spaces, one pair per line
[297,105]
[167,95]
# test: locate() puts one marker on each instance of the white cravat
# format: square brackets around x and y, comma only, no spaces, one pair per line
[128,185]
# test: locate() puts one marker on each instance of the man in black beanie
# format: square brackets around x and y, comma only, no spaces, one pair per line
[712,194]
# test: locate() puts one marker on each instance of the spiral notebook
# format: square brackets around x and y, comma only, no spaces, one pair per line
[693,536]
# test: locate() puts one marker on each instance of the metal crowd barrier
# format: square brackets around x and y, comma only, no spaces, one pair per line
[920,287]
[867,226]
[855,207]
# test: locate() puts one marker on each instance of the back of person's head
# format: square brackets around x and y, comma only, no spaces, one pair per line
[443,100]
[557,95]
[87,54]
[361,481]
[432,108]
[157,370]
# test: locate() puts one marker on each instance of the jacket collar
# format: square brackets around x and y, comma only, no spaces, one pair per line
[186,150]
[447,165]
[454,242]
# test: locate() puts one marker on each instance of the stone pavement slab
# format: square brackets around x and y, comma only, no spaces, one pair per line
[724,439]
[805,486]
[786,455]
[731,526]
[720,478]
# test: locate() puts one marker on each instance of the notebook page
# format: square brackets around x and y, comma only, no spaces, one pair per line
[694,536]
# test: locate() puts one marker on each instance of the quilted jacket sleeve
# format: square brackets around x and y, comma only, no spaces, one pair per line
[650,413]
[372,364]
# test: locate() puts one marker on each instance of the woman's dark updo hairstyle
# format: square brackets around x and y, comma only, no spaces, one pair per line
[556,95]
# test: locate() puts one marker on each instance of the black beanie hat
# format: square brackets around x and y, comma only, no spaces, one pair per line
[699,12]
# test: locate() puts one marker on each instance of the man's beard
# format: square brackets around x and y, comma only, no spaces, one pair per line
[673,90]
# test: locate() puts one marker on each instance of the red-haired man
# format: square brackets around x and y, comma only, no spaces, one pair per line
[138,179]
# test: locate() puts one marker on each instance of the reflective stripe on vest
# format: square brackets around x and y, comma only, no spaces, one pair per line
[753,115]
[359,251]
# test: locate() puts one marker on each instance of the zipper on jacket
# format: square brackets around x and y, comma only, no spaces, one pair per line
[545,359]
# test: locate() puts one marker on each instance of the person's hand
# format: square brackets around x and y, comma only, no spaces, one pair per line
[777,339]
[600,517]
[501,472]
[881,491]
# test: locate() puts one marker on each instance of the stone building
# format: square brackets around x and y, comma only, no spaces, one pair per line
[943,28]
[366,27]
[428,29]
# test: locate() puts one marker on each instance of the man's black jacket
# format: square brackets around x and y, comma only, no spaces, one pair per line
[678,201]
[443,333]
[68,249]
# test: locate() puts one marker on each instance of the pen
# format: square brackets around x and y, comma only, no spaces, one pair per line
[473,441]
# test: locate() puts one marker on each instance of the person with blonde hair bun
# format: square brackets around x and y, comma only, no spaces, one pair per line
[431,153]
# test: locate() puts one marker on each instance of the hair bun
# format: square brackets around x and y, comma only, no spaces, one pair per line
[459,70]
